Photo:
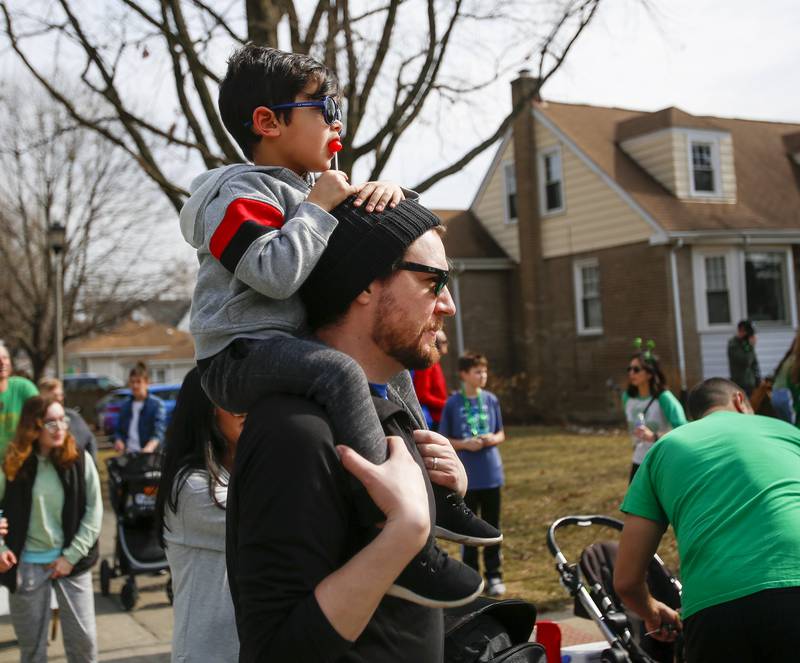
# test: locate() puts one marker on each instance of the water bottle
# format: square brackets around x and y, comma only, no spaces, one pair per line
[640,420]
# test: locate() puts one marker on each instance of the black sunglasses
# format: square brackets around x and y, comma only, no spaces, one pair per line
[443,275]
[635,369]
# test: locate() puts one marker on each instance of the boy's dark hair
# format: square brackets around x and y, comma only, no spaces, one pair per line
[139,371]
[470,360]
[263,76]
[714,392]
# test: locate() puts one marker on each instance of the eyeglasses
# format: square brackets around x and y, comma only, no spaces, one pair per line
[443,275]
[53,425]
[331,112]
[635,369]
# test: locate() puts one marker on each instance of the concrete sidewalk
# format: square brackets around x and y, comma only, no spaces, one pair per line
[143,635]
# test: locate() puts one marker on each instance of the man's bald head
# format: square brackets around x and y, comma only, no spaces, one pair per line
[717,394]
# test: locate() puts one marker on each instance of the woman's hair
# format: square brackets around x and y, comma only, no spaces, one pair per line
[795,352]
[193,442]
[31,422]
[649,362]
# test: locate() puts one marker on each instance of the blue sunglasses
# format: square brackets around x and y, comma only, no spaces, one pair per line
[331,112]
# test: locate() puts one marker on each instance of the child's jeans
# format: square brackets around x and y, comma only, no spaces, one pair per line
[247,370]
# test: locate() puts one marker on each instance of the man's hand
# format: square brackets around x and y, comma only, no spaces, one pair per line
[119,446]
[396,487]
[441,461]
[378,195]
[150,447]
[7,560]
[60,568]
[662,622]
[330,189]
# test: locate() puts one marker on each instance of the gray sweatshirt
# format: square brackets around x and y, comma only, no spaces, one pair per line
[257,240]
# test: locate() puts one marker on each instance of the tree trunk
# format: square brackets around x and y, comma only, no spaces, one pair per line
[263,17]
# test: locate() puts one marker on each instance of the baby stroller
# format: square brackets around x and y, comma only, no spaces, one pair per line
[590,583]
[132,486]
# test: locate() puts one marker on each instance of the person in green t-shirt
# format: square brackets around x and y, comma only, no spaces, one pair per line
[14,391]
[729,484]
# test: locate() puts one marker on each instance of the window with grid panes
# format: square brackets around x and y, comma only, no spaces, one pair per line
[703,167]
[765,279]
[590,297]
[717,297]
[552,181]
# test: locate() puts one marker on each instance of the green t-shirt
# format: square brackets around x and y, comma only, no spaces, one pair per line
[11,402]
[730,486]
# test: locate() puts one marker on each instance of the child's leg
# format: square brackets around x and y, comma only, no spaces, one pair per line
[247,370]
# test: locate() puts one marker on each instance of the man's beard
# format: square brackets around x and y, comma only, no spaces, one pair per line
[395,336]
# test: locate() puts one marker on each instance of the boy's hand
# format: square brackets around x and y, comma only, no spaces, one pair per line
[378,195]
[330,189]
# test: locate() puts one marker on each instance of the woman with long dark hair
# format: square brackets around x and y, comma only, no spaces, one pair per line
[650,408]
[200,447]
[50,493]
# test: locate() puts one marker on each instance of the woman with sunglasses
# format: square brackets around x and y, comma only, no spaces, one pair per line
[50,493]
[650,408]
[201,444]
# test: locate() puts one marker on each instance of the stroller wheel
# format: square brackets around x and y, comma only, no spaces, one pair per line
[614,656]
[170,594]
[129,594]
[105,577]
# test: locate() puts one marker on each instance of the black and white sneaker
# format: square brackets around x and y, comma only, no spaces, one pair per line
[456,522]
[436,580]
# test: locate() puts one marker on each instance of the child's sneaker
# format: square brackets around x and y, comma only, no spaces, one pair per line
[495,586]
[436,580]
[456,522]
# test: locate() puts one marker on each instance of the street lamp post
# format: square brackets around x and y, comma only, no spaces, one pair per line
[56,238]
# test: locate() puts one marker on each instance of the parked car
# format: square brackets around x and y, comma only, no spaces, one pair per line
[82,391]
[108,408]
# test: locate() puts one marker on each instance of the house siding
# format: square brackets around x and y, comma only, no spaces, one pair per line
[595,216]
[490,208]
[658,154]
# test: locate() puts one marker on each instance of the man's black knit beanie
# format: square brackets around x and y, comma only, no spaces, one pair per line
[364,246]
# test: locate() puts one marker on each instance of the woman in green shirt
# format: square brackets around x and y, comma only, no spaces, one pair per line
[650,408]
[50,493]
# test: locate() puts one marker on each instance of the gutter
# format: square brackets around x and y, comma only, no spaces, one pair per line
[676,305]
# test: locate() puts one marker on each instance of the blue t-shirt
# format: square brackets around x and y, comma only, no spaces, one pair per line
[485,467]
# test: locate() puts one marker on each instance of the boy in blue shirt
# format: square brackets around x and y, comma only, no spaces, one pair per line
[259,229]
[472,421]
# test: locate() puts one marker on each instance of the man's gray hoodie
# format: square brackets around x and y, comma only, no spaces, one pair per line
[257,240]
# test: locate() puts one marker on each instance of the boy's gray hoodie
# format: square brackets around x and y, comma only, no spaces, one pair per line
[257,240]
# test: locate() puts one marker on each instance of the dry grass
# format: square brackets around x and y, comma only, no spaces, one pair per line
[551,473]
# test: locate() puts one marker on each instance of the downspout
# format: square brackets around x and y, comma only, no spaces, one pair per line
[676,304]
[459,322]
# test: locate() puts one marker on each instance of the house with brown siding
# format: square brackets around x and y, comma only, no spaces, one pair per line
[605,224]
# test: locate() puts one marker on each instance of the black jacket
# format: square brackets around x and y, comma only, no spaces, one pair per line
[291,523]
[18,502]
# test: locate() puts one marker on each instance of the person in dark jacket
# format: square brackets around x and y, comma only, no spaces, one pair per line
[142,418]
[50,493]
[54,388]
[742,360]
[299,592]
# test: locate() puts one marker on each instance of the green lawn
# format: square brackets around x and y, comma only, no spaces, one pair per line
[551,473]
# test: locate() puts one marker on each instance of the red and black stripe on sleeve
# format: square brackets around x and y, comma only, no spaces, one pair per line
[244,222]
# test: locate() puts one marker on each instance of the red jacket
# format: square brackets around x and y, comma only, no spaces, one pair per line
[431,389]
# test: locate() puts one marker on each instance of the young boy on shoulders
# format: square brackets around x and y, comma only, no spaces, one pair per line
[259,229]
[472,420]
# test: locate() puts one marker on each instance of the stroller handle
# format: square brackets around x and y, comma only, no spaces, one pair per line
[578,521]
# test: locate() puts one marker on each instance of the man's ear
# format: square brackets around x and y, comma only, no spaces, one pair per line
[741,404]
[364,297]
[265,123]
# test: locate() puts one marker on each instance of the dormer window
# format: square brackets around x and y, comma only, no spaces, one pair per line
[551,190]
[704,175]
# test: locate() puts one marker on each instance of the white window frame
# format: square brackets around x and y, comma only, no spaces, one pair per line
[712,139]
[542,155]
[509,167]
[577,277]
[737,286]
